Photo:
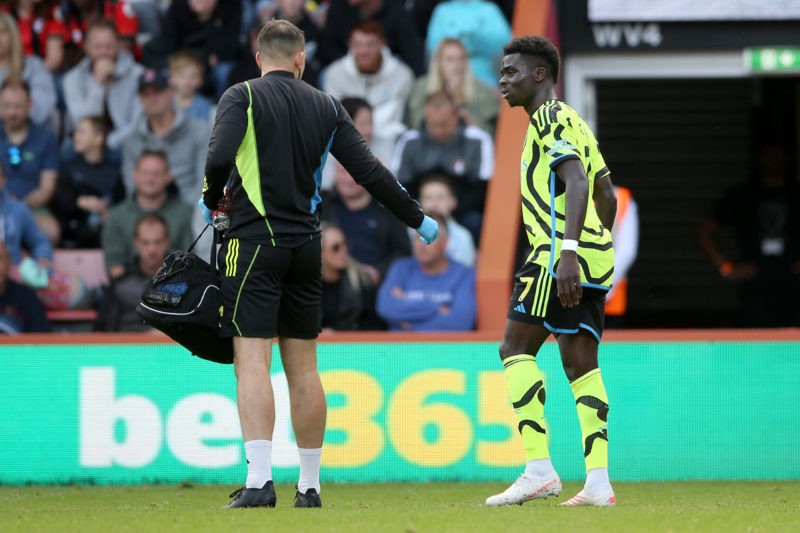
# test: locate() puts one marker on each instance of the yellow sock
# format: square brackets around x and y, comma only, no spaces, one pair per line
[592,405]
[526,391]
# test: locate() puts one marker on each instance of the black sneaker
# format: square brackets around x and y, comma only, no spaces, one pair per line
[244,497]
[309,499]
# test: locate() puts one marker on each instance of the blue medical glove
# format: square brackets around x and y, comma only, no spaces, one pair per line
[205,211]
[428,230]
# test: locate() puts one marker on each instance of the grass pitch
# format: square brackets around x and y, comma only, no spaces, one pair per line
[405,508]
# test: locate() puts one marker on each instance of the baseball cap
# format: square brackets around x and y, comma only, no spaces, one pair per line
[154,78]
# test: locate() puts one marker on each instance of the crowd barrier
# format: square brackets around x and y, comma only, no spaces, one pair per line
[135,409]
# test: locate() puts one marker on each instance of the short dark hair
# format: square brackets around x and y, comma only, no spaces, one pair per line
[149,152]
[150,218]
[16,83]
[437,177]
[354,104]
[536,46]
[98,123]
[102,24]
[439,100]
[370,27]
[280,38]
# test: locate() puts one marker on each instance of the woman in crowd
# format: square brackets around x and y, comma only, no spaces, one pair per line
[450,71]
[14,64]
[348,294]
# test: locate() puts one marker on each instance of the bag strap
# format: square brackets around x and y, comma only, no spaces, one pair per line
[212,260]
[191,247]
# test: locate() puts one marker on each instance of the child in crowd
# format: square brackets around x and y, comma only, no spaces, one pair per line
[436,195]
[89,183]
[186,75]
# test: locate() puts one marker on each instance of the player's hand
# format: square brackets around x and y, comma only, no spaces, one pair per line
[206,212]
[569,279]
[429,230]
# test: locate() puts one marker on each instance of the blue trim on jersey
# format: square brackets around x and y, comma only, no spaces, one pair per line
[590,330]
[316,199]
[552,224]
[596,286]
[559,330]
[557,161]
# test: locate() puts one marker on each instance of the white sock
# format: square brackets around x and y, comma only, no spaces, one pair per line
[259,463]
[597,481]
[540,469]
[309,469]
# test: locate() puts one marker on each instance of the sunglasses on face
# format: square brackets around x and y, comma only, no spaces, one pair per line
[335,247]
[14,155]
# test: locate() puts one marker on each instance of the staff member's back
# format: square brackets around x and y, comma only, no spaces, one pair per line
[270,139]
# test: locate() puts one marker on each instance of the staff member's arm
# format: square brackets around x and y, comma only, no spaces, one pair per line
[351,151]
[230,126]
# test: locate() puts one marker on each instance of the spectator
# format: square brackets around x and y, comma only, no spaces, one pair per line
[32,257]
[402,36]
[151,242]
[104,83]
[20,309]
[449,71]
[89,184]
[245,68]
[764,213]
[625,236]
[41,28]
[436,196]
[361,113]
[15,65]
[376,238]
[428,292]
[208,28]
[166,128]
[80,15]
[482,28]
[21,235]
[348,293]
[152,178]
[372,73]
[295,12]
[29,157]
[185,80]
[443,144]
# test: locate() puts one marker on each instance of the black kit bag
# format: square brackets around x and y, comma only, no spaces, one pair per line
[183,300]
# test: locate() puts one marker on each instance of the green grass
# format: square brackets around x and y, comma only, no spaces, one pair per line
[406,508]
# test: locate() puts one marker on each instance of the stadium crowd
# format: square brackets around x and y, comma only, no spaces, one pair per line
[106,108]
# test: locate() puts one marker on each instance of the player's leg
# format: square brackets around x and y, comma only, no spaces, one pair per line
[526,388]
[251,289]
[579,358]
[524,335]
[309,411]
[299,323]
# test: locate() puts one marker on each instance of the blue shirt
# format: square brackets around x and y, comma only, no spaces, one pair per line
[18,230]
[440,302]
[22,164]
[200,108]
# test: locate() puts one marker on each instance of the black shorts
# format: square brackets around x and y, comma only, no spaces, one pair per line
[270,291]
[535,301]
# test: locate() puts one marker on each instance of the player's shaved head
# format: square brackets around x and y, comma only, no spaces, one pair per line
[538,50]
[280,40]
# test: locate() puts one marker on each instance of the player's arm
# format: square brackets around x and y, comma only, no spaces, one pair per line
[230,126]
[605,201]
[568,272]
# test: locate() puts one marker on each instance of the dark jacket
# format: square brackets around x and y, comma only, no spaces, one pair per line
[399,27]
